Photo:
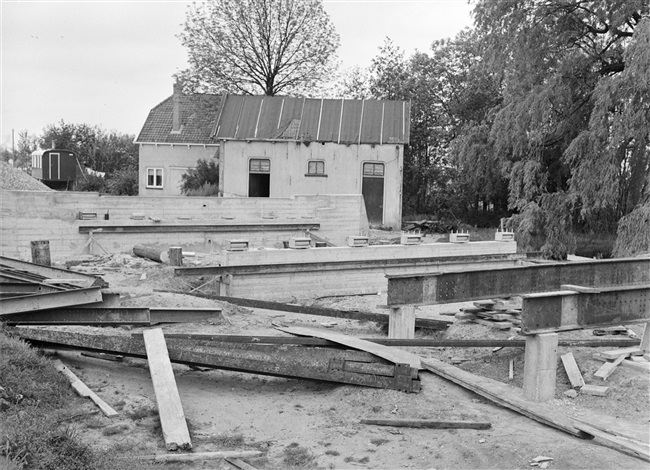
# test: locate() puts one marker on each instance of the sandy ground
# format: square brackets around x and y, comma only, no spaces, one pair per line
[231,410]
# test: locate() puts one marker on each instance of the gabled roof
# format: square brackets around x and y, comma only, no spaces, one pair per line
[207,119]
[313,120]
[198,115]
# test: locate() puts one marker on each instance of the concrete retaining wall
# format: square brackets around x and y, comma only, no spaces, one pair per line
[53,216]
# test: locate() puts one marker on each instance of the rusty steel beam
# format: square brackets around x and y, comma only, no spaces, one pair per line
[319,311]
[585,308]
[477,284]
[48,272]
[111,316]
[328,364]
[342,265]
[50,300]
[183,228]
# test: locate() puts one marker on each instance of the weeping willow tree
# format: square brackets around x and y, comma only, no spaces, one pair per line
[571,134]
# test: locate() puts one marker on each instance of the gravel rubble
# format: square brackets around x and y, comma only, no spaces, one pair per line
[13,179]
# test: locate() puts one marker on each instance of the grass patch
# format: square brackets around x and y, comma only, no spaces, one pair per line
[115,429]
[33,436]
[141,413]
[333,453]
[296,456]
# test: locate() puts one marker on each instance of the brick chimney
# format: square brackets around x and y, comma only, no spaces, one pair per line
[177,112]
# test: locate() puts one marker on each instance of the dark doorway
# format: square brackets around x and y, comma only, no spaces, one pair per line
[373,192]
[259,177]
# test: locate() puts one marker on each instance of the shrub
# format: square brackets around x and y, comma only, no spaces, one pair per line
[207,190]
[124,182]
[91,183]
[196,178]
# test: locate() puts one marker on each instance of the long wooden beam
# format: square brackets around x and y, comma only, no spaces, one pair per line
[328,364]
[341,265]
[585,308]
[111,316]
[320,311]
[417,342]
[50,300]
[476,284]
[185,228]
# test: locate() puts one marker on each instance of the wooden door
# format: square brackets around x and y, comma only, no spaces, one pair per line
[372,189]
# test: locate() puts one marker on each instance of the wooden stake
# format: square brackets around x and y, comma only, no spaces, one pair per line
[41,252]
[176,256]
[540,366]
[170,409]
[401,322]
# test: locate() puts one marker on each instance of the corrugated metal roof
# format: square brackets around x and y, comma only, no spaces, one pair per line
[198,115]
[313,120]
[209,118]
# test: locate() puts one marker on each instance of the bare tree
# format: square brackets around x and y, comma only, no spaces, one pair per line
[258,46]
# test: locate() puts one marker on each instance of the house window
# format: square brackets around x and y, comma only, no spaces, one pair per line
[373,169]
[259,165]
[316,168]
[155,178]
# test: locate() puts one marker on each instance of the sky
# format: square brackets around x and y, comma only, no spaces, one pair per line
[107,63]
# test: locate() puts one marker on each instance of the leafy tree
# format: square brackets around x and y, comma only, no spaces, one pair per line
[571,131]
[196,178]
[101,150]
[258,46]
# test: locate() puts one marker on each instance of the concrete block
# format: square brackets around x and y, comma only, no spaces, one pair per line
[411,238]
[459,237]
[237,245]
[357,241]
[504,236]
[299,243]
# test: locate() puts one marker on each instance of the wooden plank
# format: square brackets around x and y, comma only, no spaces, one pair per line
[239,464]
[170,409]
[595,390]
[194,456]
[616,353]
[394,355]
[504,395]
[629,364]
[83,390]
[427,423]
[608,368]
[618,427]
[645,340]
[572,370]
[619,443]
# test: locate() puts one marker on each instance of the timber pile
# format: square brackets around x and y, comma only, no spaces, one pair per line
[502,314]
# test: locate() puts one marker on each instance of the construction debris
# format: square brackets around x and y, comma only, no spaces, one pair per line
[427,423]
[83,390]
[502,314]
[170,408]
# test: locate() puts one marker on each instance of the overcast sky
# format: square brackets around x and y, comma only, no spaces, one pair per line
[108,63]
